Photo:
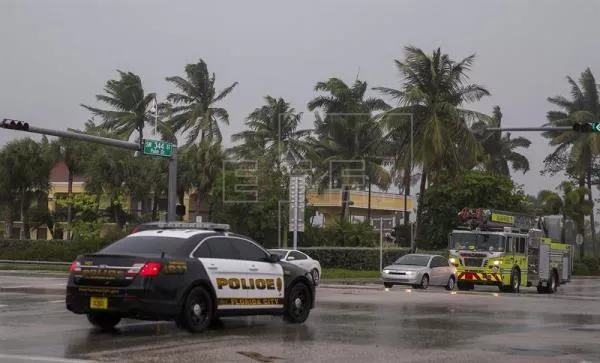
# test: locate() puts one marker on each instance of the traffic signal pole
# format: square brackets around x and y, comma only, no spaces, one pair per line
[172,193]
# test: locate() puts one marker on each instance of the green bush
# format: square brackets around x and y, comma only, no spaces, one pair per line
[592,264]
[340,233]
[355,258]
[580,269]
[54,250]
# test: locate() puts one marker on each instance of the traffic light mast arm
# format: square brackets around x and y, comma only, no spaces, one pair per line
[24,126]
[172,182]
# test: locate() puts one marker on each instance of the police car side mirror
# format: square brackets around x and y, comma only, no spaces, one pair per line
[274,258]
[291,258]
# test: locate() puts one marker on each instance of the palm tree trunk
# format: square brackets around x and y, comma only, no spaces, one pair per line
[198,202]
[22,234]
[419,215]
[592,219]
[70,205]
[8,220]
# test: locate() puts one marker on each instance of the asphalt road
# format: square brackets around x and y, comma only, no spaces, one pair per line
[368,324]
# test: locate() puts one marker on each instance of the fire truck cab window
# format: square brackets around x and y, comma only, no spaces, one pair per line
[481,241]
[520,245]
[510,244]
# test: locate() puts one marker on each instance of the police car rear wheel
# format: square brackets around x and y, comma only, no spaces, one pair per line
[298,304]
[105,321]
[198,312]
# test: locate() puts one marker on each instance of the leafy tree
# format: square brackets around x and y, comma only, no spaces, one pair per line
[499,149]
[474,189]
[130,106]
[25,178]
[576,153]
[194,108]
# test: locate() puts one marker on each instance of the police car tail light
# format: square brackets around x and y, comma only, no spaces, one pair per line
[75,266]
[150,269]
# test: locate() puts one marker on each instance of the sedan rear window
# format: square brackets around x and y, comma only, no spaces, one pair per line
[147,245]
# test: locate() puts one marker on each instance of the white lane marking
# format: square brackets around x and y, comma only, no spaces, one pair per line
[3,306]
[16,287]
[56,301]
[42,359]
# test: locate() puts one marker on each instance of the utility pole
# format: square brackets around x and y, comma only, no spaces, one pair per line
[149,147]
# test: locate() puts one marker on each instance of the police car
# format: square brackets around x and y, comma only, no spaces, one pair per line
[190,273]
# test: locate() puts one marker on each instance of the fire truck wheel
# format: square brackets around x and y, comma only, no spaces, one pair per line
[515,280]
[463,286]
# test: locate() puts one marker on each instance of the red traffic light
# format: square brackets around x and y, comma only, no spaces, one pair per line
[14,125]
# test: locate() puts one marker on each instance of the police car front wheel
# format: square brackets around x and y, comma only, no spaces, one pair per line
[198,310]
[298,304]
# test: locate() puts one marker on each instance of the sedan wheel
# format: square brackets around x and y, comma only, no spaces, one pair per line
[425,282]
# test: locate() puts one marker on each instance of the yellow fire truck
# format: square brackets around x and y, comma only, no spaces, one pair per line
[508,250]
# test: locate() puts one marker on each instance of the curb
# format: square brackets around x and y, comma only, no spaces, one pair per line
[32,273]
[351,281]
[351,286]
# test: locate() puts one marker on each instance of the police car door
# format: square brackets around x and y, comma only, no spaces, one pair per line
[226,272]
[265,278]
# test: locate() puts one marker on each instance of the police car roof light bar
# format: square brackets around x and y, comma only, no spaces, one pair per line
[197,225]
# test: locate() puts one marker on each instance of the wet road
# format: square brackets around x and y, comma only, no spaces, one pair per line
[366,324]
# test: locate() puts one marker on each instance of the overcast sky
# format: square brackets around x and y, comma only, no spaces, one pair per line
[57,54]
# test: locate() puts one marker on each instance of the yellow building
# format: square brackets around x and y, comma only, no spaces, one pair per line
[329,202]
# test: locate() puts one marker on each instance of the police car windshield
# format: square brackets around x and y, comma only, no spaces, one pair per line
[477,242]
[146,245]
[413,260]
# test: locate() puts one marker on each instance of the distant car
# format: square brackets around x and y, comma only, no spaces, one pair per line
[420,271]
[300,259]
[190,273]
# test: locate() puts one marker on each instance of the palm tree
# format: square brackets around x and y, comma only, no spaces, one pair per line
[434,91]
[273,129]
[194,108]
[576,152]
[498,149]
[570,204]
[203,162]
[72,153]
[347,133]
[130,106]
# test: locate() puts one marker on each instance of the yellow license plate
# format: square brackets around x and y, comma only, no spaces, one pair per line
[99,303]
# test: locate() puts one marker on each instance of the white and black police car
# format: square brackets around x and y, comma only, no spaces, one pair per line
[187,272]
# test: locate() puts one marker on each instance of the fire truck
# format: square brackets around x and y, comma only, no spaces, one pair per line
[508,250]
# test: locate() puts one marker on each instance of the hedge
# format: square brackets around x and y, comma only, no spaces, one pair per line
[53,250]
[356,258]
[352,258]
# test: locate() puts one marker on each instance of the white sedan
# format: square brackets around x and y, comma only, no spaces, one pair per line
[300,259]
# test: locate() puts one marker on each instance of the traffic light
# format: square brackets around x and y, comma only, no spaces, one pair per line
[180,210]
[14,125]
[586,127]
